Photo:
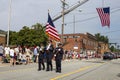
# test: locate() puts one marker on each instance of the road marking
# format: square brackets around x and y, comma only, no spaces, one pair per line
[76,71]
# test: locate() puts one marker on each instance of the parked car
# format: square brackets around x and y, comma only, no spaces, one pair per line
[108,56]
[114,56]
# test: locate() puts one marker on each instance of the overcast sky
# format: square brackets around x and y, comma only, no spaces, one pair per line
[30,12]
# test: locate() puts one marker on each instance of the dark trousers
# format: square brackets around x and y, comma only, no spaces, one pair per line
[35,57]
[49,65]
[41,64]
[58,65]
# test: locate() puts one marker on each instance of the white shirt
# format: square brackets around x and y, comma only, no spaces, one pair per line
[12,52]
[7,50]
[16,50]
[1,49]
[48,47]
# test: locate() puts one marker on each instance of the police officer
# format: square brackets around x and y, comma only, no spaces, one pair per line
[49,55]
[58,57]
[41,59]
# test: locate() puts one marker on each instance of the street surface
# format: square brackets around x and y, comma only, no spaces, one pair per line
[92,69]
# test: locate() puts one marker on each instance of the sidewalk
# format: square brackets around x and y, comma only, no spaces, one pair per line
[4,64]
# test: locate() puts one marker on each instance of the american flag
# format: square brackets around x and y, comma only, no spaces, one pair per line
[104,14]
[51,31]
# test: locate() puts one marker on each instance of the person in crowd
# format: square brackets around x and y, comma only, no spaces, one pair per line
[58,57]
[41,58]
[16,49]
[31,56]
[7,50]
[23,58]
[35,53]
[1,52]
[12,54]
[49,55]
[6,54]
[27,51]
[20,57]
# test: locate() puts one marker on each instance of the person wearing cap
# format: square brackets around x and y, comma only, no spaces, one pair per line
[41,58]
[58,57]
[49,55]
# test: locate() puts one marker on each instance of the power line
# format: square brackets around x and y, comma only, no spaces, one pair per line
[90,17]
[110,32]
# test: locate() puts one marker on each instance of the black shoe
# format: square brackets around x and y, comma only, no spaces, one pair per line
[57,71]
[39,69]
[47,70]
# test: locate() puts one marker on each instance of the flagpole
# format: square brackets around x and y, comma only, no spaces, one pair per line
[9,21]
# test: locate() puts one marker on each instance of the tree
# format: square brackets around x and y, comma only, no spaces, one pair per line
[112,48]
[101,38]
[29,37]
[13,38]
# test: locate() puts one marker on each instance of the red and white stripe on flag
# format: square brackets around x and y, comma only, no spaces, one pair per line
[104,14]
[52,32]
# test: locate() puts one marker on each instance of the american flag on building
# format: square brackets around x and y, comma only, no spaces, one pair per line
[51,30]
[104,14]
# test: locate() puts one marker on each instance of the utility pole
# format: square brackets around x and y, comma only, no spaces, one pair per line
[9,21]
[62,29]
[79,3]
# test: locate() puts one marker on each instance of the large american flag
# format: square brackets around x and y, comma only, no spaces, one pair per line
[104,14]
[51,30]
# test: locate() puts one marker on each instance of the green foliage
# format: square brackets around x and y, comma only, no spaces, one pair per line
[112,48]
[13,37]
[101,38]
[29,37]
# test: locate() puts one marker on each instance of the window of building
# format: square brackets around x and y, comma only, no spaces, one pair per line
[70,36]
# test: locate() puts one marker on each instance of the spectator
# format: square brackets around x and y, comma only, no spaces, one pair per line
[23,59]
[27,51]
[1,52]
[12,63]
[35,53]
[6,55]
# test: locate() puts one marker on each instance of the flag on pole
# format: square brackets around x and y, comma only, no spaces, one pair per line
[51,30]
[104,14]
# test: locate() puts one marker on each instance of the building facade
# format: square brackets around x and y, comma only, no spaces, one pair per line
[2,37]
[83,43]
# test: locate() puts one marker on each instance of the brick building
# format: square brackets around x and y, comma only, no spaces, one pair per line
[83,43]
[2,37]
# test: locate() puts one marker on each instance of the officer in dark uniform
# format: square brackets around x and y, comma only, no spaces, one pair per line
[58,57]
[41,59]
[49,56]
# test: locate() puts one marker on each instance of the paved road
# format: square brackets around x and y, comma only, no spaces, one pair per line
[94,69]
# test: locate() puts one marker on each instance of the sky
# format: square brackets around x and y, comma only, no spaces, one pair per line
[30,12]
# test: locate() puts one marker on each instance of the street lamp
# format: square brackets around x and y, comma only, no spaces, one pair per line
[74,21]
